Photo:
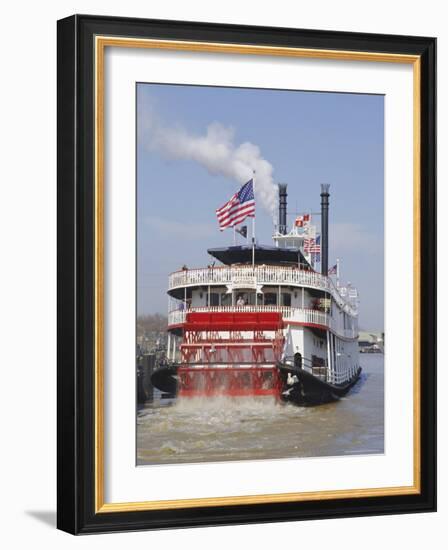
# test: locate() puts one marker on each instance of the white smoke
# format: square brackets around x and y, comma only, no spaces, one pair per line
[217,153]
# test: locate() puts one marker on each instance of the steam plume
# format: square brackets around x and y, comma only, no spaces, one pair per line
[216,152]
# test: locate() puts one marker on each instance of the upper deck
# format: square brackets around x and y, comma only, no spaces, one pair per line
[237,277]
[290,316]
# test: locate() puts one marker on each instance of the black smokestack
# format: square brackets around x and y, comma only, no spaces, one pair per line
[282,205]
[324,204]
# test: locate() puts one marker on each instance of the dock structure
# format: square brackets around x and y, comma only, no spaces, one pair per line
[145,368]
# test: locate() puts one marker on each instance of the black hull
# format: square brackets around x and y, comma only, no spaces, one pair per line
[310,390]
[165,379]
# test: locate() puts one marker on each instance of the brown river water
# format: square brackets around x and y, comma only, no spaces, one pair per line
[221,429]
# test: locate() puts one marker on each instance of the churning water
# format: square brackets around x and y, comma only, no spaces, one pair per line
[217,429]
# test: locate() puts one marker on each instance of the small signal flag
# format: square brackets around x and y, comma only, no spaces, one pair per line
[242,231]
[302,221]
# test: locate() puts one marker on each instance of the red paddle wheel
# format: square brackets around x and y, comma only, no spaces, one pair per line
[232,354]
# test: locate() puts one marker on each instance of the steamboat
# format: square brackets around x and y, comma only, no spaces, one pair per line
[262,320]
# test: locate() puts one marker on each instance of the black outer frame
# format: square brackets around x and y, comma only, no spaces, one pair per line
[75,403]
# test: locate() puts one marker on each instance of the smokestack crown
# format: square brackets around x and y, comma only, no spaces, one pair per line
[324,189]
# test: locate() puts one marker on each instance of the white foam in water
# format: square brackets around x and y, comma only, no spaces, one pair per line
[212,429]
[227,403]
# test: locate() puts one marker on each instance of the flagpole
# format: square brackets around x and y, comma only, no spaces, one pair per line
[253,242]
[253,226]
[234,235]
[337,272]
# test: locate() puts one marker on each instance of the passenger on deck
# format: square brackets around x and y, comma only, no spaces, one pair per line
[240,302]
[298,360]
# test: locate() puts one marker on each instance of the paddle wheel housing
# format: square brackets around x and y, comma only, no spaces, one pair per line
[231,353]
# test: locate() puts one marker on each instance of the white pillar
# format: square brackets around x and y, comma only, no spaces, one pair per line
[168,347]
[173,353]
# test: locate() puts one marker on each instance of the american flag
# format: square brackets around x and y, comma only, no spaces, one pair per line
[333,270]
[312,246]
[238,208]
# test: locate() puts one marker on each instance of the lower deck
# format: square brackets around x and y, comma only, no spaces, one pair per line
[218,340]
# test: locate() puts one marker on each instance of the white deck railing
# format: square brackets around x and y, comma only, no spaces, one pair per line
[293,314]
[261,275]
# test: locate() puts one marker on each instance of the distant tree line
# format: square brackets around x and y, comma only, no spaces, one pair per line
[151,323]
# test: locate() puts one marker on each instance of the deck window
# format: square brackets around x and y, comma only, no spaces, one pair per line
[270,299]
[214,299]
[226,299]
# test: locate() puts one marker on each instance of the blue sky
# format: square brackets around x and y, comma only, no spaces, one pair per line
[308,137]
